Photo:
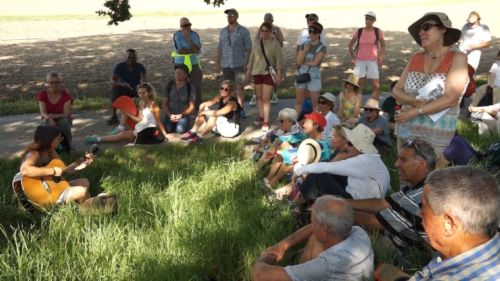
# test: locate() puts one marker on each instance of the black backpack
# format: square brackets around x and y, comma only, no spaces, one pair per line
[360,31]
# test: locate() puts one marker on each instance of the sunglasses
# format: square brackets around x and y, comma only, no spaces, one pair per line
[264,30]
[426,26]
[416,146]
[324,102]
[370,109]
[186,25]
[312,31]
[224,89]
[54,82]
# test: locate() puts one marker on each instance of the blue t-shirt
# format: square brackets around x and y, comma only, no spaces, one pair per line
[132,77]
[180,42]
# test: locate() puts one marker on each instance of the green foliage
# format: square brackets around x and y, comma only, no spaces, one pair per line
[184,214]
[119,10]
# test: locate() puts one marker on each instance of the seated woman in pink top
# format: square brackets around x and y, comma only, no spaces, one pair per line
[55,108]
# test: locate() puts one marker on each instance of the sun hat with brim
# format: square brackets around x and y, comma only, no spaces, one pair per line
[372,104]
[352,79]
[309,152]
[451,36]
[361,137]
[329,97]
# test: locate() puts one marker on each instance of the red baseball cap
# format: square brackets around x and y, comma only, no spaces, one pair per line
[317,118]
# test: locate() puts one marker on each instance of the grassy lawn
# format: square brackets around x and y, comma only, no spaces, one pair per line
[185,213]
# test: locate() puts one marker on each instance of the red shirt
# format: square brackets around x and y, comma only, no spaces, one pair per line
[54,108]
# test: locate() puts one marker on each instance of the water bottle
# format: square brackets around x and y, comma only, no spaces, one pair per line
[403,129]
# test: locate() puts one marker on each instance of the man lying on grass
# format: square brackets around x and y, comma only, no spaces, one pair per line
[340,250]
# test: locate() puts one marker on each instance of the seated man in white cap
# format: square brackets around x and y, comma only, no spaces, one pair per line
[326,105]
[342,251]
[377,123]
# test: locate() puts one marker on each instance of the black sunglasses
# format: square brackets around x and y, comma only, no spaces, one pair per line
[370,109]
[415,144]
[186,25]
[426,26]
[312,31]
[224,89]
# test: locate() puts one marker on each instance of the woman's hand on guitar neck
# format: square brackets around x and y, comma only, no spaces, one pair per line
[57,171]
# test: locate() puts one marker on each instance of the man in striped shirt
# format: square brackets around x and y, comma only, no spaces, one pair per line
[460,214]
[399,213]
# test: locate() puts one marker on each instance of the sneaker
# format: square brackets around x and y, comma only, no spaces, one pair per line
[91,139]
[258,121]
[243,115]
[196,139]
[187,136]
[253,101]
[113,120]
[265,127]
[274,99]
[116,131]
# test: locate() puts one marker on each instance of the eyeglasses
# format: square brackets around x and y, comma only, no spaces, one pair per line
[371,109]
[264,30]
[224,89]
[312,31]
[324,102]
[281,121]
[186,25]
[428,25]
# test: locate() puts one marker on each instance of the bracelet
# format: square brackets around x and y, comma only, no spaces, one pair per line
[54,169]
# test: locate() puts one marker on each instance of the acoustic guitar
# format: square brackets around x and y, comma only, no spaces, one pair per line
[43,192]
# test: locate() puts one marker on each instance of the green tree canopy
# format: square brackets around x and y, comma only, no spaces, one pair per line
[119,10]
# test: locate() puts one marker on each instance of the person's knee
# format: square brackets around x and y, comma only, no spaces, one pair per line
[77,193]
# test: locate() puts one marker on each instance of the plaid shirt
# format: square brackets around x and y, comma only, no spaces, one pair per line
[481,263]
[234,47]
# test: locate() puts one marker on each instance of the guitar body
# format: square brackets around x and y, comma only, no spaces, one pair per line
[43,192]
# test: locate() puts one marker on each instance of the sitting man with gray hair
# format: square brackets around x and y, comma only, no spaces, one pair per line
[460,214]
[343,251]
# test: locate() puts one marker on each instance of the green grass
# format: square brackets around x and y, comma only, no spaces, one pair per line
[183,213]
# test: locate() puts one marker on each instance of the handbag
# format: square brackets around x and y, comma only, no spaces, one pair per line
[306,77]
[269,67]
[303,78]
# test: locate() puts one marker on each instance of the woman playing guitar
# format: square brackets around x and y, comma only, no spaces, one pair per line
[37,184]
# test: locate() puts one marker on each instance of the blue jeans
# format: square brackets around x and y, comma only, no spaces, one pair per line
[179,127]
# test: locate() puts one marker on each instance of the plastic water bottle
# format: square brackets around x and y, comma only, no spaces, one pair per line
[403,129]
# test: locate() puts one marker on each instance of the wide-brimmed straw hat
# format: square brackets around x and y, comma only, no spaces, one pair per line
[309,152]
[372,103]
[361,138]
[451,36]
[329,97]
[352,79]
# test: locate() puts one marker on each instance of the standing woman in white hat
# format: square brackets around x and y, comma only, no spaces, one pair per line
[438,72]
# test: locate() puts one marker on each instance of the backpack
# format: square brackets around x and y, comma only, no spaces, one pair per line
[360,31]
[471,87]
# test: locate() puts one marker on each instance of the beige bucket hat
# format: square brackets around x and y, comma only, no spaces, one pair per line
[361,138]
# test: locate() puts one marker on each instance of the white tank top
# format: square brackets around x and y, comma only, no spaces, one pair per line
[148,121]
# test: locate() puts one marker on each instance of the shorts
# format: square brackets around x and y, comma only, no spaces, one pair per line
[234,74]
[148,136]
[225,128]
[366,68]
[63,196]
[265,79]
[313,86]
